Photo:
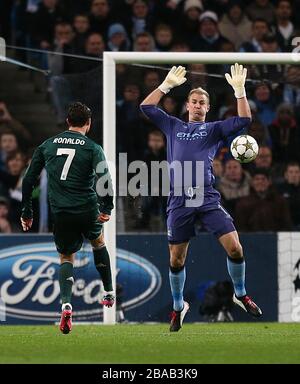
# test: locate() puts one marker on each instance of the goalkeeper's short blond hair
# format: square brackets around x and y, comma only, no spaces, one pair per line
[199,91]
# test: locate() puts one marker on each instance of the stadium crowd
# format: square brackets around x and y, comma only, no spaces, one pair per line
[261,196]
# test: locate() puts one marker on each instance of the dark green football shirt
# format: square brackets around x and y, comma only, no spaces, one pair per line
[70,159]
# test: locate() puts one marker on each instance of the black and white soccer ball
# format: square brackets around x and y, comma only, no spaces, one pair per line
[244,148]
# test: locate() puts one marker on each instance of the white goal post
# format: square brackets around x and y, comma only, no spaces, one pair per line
[110,59]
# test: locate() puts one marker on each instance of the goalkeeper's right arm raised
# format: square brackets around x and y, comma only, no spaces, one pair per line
[175,77]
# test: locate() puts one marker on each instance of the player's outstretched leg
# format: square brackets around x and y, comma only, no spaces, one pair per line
[102,263]
[66,281]
[236,268]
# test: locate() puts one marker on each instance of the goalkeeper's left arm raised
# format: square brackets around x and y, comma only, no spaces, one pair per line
[237,81]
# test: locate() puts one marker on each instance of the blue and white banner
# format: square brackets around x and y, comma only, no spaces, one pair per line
[29,288]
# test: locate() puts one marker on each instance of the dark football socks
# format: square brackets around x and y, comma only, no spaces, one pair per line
[102,263]
[66,281]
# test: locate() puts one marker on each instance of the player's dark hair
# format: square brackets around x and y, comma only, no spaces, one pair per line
[78,115]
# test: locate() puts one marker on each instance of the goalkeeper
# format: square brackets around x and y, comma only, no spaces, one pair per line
[195,141]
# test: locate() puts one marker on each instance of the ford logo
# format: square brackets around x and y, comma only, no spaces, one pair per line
[29,285]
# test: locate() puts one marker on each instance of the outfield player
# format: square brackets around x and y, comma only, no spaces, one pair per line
[70,159]
[193,141]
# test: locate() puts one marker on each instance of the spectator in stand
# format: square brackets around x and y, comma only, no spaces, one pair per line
[124,75]
[100,17]
[63,43]
[8,145]
[163,36]
[140,19]
[197,75]
[284,28]
[81,27]
[70,87]
[180,46]
[259,28]
[290,191]
[144,42]
[9,180]
[226,46]
[4,211]
[154,204]
[265,103]
[9,124]
[166,11]
[151,81]
[260,133]
[291,90]
[284,135]
[262,9]
[188,26]
[270,72]
[264,160]
[264,209]
[130,138]
[170,105]
[48,14]
[234,184]
[94,47]
[218,171]
[235,25]
[16,165]
[117,38]
[209,38]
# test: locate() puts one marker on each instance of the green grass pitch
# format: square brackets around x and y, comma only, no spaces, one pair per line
[194,343]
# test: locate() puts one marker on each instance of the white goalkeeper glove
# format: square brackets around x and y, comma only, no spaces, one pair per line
[175,77]
[237,80]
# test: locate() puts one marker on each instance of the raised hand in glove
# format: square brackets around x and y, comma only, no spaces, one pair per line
[237,80]
[175,77]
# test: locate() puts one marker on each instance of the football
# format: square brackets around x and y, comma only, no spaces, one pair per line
[244,148]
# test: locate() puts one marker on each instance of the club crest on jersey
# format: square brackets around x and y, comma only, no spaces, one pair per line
[191,136]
